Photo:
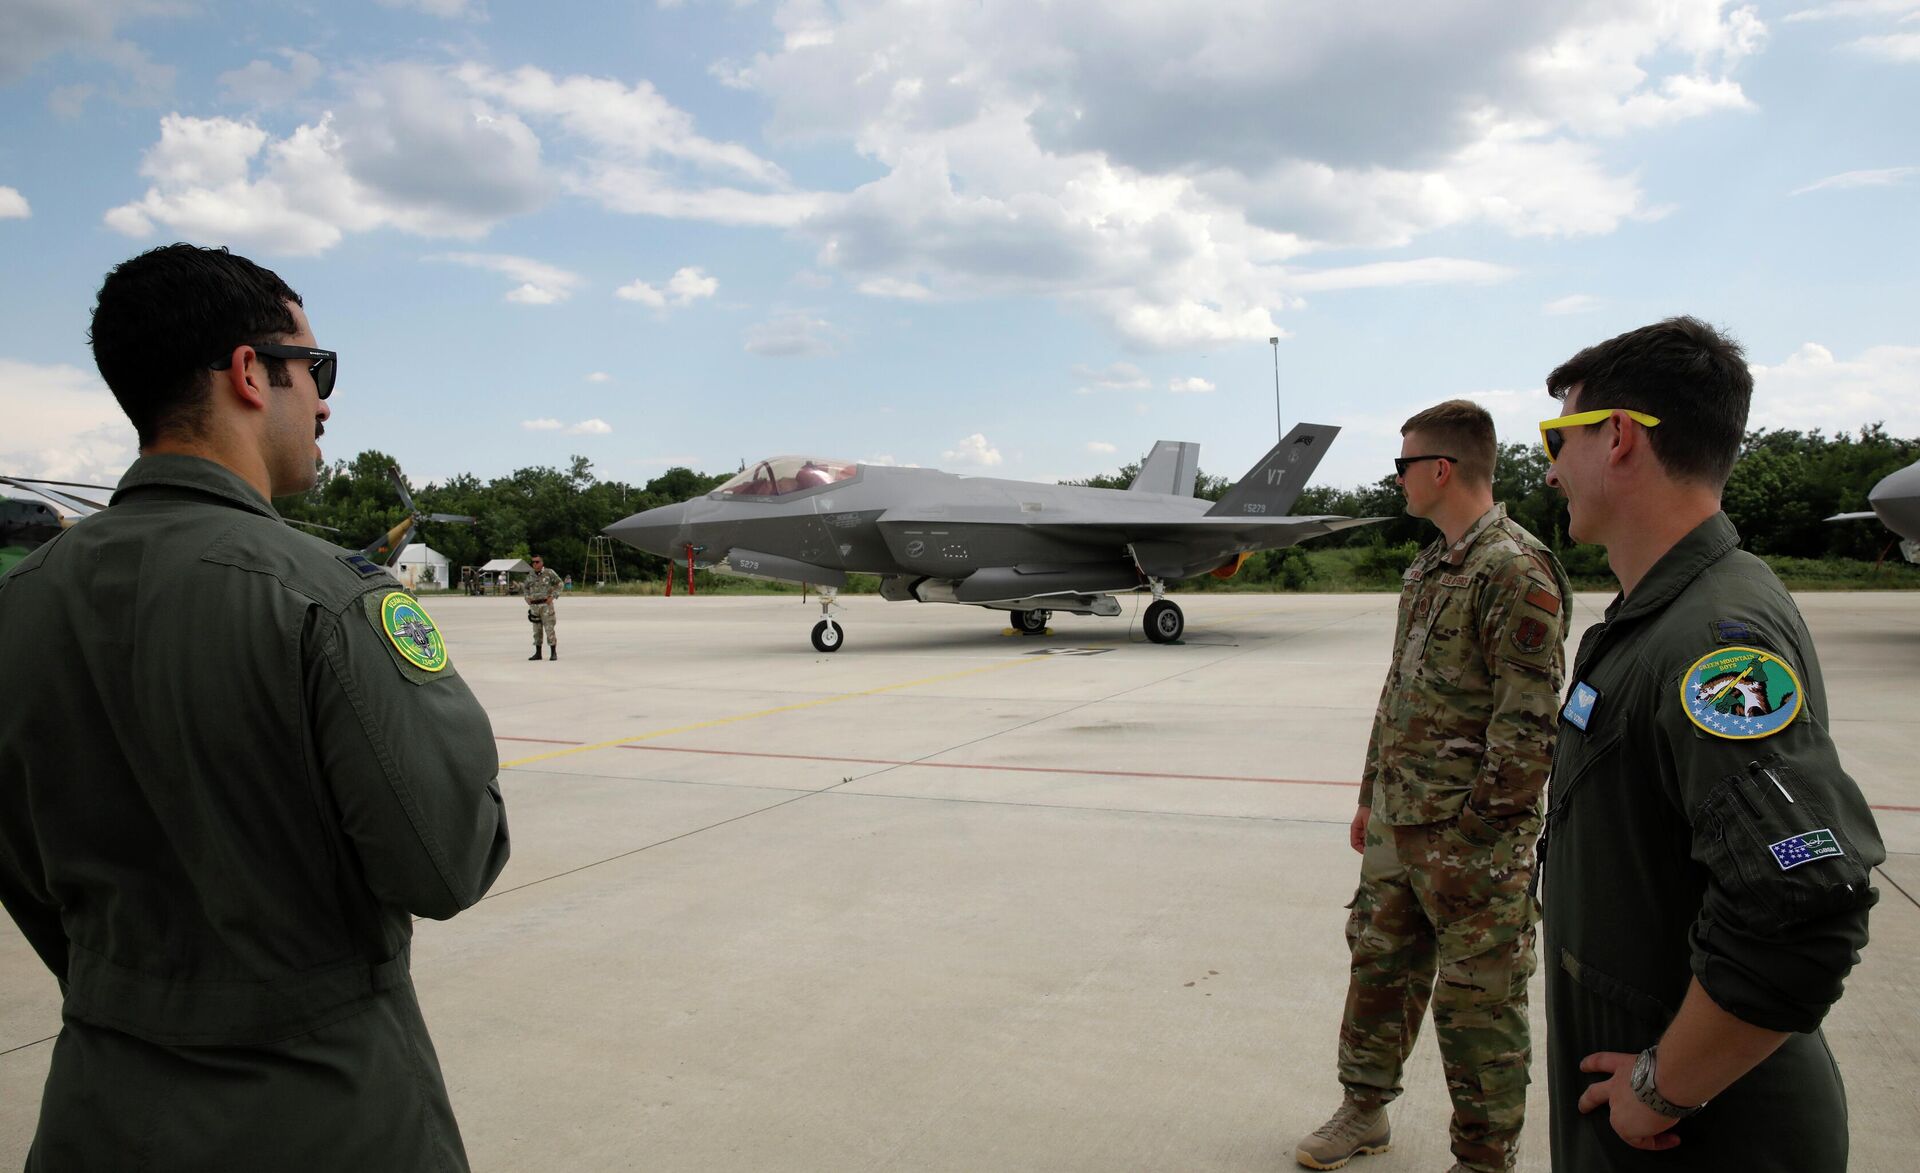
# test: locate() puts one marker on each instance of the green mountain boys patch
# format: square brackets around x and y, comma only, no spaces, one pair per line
[1740,693]
[413,634]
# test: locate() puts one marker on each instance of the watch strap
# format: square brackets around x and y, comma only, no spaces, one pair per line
[1645,1084]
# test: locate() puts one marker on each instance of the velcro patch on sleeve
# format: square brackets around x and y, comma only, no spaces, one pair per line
[1544,599]
[1741,693]
[1529,635]
[411,635]
[363,566]
[1805,848]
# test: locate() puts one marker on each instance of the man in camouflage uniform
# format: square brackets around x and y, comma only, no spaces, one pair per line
[543,587]
[1449,807]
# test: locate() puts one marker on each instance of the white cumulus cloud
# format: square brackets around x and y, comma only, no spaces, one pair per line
[408,150]
[62,424]
[599,377]
[1101,447]
[686,286]
[542,425]
[973,450]
[1812,388]
[540,283]
[1192,385]
[1160,166]
[13,205]
[593,427]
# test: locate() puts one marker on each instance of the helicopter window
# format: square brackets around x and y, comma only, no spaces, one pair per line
[781,475]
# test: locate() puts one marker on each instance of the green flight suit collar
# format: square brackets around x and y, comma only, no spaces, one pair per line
[1706,544]
[196,473]
[1457,553]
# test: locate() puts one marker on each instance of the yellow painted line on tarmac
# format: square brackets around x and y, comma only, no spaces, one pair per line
[796,707]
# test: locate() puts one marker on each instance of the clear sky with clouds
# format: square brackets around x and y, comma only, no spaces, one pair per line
[1015,238]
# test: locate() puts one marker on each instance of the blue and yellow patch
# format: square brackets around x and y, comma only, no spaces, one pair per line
[412,633]
[1740,693]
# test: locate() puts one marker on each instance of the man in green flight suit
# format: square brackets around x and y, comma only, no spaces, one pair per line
[246,763]
[1706,862]
[1449,807]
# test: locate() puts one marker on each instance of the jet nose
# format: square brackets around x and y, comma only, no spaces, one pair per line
[657,531]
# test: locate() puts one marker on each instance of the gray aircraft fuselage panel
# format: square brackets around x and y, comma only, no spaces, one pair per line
[1897,500]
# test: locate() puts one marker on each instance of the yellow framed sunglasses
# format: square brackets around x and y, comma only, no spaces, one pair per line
[1550,429]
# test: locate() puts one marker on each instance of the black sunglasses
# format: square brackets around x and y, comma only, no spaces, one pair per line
[324,369]
[1402,463]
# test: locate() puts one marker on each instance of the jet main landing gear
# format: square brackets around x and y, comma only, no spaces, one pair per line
[1164,622]
[1031,622]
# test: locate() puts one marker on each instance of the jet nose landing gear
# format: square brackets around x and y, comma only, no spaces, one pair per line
[827,635]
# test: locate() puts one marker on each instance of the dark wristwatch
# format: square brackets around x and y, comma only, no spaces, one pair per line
[1644,1089]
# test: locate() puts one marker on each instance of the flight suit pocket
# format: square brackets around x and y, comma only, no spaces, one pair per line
[1769,833]
[1615,1016]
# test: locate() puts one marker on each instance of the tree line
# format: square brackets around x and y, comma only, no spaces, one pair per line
[1785,484]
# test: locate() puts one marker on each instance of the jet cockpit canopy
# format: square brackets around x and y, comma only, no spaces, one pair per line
[780,476]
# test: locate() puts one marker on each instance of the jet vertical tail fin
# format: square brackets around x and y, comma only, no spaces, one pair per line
[1273,485]
[1170,468]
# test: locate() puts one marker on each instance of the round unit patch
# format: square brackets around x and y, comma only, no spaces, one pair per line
[413,634]
[1740,693]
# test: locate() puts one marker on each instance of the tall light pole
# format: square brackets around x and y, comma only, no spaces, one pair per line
[1275,343]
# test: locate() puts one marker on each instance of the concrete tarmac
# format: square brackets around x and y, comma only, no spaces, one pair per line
[956,899]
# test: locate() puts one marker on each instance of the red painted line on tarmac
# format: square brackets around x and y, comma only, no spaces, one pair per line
[804,757]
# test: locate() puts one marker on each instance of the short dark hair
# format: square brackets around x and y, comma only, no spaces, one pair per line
[1683,372]
[1465,430]
[163,316]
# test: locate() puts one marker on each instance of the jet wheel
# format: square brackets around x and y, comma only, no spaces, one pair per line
[827,636]
[1032,622]
[1164,622]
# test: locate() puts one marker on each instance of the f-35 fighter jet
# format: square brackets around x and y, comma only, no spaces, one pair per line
[1896,502]
[1016,546]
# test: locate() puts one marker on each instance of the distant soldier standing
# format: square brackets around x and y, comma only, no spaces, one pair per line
[1449,807]
[543,587]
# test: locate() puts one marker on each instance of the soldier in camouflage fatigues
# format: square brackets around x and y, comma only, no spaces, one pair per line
[1449,809]
[543,587]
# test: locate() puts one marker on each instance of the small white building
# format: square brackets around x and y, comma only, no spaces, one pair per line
[421,567]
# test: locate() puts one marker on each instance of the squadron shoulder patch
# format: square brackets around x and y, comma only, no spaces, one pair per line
[413,634]
[1529,635]
[1740,693]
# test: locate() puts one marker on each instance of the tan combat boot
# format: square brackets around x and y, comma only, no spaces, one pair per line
[1353,1131]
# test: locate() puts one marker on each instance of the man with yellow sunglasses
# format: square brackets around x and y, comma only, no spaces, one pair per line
[1706,861]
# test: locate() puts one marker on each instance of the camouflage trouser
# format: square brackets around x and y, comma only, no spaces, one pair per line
[545,612]
[1427,897]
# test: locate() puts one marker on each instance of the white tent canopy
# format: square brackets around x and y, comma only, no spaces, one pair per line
[416,560]
[509,565]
